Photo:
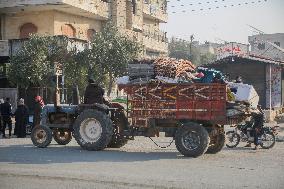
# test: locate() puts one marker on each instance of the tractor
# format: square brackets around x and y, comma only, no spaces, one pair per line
[94,126]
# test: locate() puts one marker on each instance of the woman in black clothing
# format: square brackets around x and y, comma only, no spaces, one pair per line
[21,118]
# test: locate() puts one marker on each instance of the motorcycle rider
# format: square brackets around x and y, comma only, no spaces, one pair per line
[258,118]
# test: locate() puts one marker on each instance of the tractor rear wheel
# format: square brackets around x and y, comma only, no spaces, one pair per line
[119,125]
[62,137]
[93,130]
[41,136]
[192,140]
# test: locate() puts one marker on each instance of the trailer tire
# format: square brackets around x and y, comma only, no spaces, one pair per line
[218,145]
[192,140]
[62,137]
[41,136]
[93,130]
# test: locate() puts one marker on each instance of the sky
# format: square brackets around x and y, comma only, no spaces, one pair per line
[228,23]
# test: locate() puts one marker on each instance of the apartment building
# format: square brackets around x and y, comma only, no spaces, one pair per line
[81,19]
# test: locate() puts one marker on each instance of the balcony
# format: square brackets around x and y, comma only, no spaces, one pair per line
[88,8]
[15,45]
[155,41]
[156,12]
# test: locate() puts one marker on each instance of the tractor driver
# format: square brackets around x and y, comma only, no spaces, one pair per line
[93,93]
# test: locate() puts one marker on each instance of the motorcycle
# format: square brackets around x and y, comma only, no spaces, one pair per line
[243,133]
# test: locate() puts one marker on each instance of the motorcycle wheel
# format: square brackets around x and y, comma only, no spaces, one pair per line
[232,139]
[267,140]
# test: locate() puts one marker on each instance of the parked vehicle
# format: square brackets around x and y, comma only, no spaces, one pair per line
[243,133]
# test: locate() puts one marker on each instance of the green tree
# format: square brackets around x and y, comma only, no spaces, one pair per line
[207,58]
[182,49]
[110,54]
[33,64]
[179,49]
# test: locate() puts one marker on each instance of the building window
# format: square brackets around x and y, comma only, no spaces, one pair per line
[27,29]
[277,43]
[90,34]
[261,46]
[68,30]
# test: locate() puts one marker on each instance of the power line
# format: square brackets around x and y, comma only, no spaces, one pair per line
[228,5]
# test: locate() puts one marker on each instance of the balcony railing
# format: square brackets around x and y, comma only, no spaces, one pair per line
[155,11]
[156,41]
[155,46]
[156,35]
[15,45]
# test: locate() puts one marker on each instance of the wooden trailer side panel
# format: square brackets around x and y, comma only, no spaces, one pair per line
[192,101]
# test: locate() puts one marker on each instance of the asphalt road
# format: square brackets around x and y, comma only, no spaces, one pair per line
[140,164]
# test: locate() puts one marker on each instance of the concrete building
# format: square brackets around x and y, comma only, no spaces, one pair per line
[81,19]
[267,45]
[264,74]
[208,47]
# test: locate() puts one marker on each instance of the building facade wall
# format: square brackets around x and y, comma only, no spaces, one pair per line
[260,46]
[50,23]
[80,24]
[44,21]
[129,17]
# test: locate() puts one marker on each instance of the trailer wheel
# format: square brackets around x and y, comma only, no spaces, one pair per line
[192,140]
[41,136]
[217,146]
[62,137]
[92,130]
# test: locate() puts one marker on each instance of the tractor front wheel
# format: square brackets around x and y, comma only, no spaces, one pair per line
[41,136]
[62,137]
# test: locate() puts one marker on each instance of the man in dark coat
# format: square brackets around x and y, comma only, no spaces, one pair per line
[6,112]
[93,93]
[21,118]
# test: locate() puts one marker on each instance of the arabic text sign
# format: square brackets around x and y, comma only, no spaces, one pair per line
[231,49]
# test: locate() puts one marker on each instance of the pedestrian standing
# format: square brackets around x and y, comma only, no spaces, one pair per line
[37,110]
[6,112]
[21,118]
[239,79]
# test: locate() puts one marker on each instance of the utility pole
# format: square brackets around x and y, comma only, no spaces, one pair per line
[190,46]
